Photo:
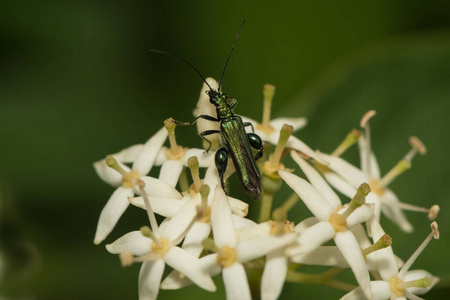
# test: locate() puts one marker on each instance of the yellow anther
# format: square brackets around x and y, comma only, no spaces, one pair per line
[367,116]
[434,210]
[417,144]
[435,228]
[126,258]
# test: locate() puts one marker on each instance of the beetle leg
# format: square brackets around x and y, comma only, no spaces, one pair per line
[249,124]
[256,143]
[208,132]
[221,161]
[206,117]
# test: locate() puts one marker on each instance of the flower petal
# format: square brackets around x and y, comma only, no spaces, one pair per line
[165,207]
[251,249]
[236,283]
[189,265]
[383,260]
[297,144]
[322,256]
[297,123]
[317,181]
[361,214]
[144,161]
[170,172]
[149,279]
[204,107]
[113,210]
[309,195]
[340,184]
[133,241]
[312,237]
[241,222]
[417,274]
[195,237]
[179,223]
[346,242]
[380,291]
[156,187]
[252,232]
[346,170]
[221,220]
[306,223]
[274,275]
[176,280]
[238,207]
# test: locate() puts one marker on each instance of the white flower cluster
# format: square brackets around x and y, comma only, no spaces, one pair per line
[205,232]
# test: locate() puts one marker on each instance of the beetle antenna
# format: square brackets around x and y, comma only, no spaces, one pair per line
[229,55]
[182,59]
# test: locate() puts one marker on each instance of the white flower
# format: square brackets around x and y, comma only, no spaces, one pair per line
[385,200]
[232,254]
[403,284]
[125,156]
[334,223]
[158,247]
[144,158]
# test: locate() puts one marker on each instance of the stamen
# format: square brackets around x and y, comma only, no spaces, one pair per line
[349,140]
[339,221]
[365,124]
[407,265]
[126,258]
[202,212]
[405,163]
[150,214]
[419,283]
[146,231]
[271,166]
[417,146]
[268,92]
[366,117]
[432,211]
[175,152]
[399,168]
[112,163]
[383,242]
[127,177]
[195,173]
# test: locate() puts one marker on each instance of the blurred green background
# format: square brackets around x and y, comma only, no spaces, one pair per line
[77,82]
